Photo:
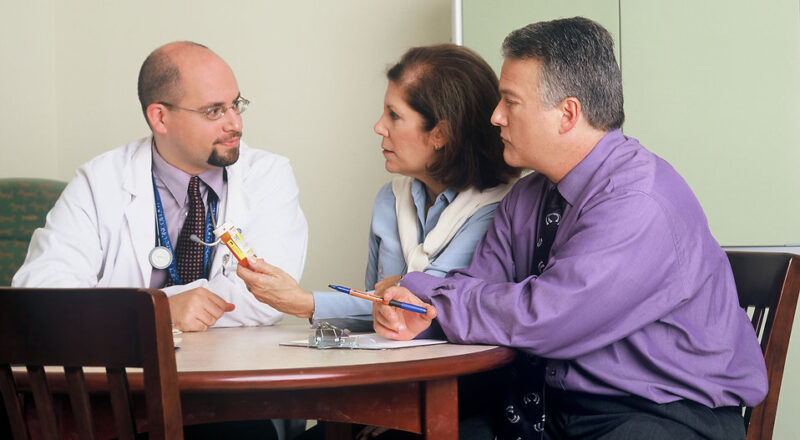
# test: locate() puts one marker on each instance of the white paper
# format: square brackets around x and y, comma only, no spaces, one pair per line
[373,341]
[176,338]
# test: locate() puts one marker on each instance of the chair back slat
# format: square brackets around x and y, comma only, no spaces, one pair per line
[74,328]
[162,413]
[758,321]
[79,399]
[121,402]
[45,409]
[770,283]
[11,400]
[759,276]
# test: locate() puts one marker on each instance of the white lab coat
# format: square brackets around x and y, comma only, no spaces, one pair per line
[102,228]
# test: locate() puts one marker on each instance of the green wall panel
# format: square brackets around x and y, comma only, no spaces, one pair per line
[713,87]
[486,23]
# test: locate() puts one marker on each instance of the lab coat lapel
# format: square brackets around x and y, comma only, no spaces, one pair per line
[140,211]
[236,211]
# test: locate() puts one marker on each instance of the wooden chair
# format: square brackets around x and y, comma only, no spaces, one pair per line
[769,284]
[75,328]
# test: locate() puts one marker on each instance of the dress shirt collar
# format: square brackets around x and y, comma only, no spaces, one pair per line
[573,184]
[177,180]
[420,195]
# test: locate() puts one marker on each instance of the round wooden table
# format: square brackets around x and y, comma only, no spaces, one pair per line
[244,374]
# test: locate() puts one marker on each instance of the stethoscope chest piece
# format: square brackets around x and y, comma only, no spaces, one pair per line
[160,257]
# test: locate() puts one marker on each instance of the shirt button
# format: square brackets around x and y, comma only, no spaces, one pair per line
[551,371]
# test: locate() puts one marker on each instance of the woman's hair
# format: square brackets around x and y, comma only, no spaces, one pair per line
[453,85]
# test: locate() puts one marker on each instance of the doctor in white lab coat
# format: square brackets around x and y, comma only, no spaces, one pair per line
[101,230]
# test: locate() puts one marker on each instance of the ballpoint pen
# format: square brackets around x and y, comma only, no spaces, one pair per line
[375,298]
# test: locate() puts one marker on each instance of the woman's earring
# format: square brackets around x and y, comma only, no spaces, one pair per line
[437,147]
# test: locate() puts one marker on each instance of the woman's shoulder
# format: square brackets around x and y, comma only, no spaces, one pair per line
[385,195]
[383,209]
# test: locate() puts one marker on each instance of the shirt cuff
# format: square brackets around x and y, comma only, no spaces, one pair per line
[433,332]
[421,284]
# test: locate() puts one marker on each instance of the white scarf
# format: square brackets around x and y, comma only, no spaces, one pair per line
[419,255]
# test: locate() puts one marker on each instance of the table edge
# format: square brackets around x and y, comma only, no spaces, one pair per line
[336,376]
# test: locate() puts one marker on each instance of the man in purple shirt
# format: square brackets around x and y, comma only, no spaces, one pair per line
[634,308]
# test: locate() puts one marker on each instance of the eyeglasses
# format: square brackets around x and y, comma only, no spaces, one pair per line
[216,111]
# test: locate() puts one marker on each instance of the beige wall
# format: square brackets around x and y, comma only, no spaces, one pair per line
[313,70]
[27,86]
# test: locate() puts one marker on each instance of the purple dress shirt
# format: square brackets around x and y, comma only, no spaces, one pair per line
[172,185]
[637,297]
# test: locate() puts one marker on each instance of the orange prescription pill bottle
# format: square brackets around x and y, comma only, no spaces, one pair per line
[233,239]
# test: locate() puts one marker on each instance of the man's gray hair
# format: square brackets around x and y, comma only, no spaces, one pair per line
[577,57]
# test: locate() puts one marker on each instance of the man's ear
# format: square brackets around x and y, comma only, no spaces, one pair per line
[570,110]
[157,115]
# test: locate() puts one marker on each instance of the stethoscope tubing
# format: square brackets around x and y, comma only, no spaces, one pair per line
[163,241]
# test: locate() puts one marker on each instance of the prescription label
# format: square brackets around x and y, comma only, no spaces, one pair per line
[232,238]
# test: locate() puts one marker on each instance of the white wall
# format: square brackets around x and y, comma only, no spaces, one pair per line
[314,71]
[27,87]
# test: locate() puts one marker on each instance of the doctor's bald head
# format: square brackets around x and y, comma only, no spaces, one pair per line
[191,101]
[160,76]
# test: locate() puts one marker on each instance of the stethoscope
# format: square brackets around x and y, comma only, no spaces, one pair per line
[162,255]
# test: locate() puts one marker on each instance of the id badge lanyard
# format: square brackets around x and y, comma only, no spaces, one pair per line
[162,256]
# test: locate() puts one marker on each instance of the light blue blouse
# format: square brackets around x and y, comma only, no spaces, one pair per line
[386,255]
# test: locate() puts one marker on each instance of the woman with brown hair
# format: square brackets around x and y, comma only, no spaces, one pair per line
[437,136]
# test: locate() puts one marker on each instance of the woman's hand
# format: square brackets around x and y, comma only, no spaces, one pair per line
[272,286]
[386,283]
[396,323]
